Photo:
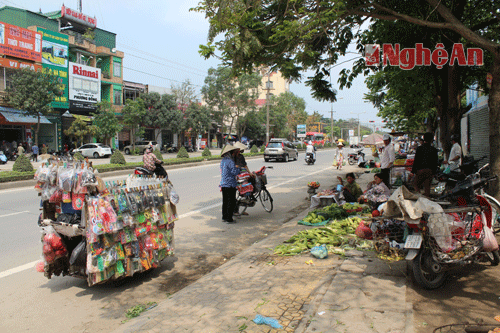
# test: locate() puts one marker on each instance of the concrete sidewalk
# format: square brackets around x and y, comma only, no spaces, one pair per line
[354,294]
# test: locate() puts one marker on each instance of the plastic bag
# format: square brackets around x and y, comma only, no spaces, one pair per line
[174,197]
[490,243]
[53,245]
[320,251]
[65,178]
[335,163]
[79,254]
[362,231]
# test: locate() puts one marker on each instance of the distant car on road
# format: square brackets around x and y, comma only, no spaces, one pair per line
[94,150]
[280,149]
[142,145]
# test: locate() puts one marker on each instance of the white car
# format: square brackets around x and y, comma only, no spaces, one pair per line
[94,150]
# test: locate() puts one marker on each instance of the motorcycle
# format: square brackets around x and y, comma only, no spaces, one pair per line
[447,181]
[169,148]
[189,148]
[310,158]
[354,157]
[159,171]
[3,158]
[251,189]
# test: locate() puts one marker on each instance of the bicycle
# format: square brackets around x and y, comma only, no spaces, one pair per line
[248,194]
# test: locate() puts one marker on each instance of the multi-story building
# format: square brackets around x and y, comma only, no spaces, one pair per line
[83,56]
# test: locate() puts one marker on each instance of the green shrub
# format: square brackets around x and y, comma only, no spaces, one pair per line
[206,152]
[254,149]
[117,158]
[262,148]
[136,151]
[22,164]
[78,156]
[182,153]
[158,154]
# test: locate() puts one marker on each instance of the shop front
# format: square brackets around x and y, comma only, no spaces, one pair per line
[16,127]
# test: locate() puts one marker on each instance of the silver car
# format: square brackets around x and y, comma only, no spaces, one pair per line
[94,150]
[142,145]
[280,149]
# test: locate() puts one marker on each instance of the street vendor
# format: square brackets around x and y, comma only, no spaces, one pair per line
[351,191]
[376,193]
[387,159]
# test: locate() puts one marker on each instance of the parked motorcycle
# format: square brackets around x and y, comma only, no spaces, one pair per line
[190,149]
[354,157]
[310,159]
[3,158]
[169,148]
[251,189]
[447,181]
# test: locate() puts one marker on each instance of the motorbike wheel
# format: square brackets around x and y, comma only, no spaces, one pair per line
[426,271]
[493,257]
[266,200]
[352,161]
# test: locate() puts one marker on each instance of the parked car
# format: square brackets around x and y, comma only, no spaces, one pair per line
[142,145]
[280,149]
[94,150]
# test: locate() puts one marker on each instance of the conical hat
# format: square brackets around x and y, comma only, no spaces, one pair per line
[227,149]
[239,145]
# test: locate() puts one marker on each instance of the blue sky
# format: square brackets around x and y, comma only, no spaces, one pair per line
[160,40]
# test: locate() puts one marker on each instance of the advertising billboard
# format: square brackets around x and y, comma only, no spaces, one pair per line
[20,43]
[55,60]
[301,131]
[84,87]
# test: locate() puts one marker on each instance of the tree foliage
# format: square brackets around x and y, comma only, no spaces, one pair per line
[162,112]
[106,122]
[80,129]
[134,113]
[197,118]
[32,92]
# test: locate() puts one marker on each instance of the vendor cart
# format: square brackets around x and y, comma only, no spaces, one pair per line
[103,231]
[401,172]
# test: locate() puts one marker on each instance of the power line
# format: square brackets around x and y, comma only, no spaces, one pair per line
[161,77]
[156,62]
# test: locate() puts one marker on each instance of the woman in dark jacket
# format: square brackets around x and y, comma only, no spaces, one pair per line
[229,170]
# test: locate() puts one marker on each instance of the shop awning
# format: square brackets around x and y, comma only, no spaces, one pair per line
[16,116]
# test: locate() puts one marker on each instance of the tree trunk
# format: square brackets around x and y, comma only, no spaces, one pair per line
[494,113]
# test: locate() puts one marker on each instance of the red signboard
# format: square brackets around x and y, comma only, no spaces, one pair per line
[11,63]
[72,15]
[20,43]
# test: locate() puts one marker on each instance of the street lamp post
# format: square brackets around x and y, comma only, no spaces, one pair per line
[359,127]
[268,87]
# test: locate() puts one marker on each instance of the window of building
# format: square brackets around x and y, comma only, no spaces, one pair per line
[117,69]
[118,97]
[269,84]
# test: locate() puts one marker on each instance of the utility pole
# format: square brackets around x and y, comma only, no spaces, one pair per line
[359,127]
[268,87]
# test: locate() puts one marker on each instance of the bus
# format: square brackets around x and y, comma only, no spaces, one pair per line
[317,138]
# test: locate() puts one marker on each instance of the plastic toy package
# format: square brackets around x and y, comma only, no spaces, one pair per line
[129,230]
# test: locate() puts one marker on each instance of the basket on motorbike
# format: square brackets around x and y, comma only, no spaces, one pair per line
[455,237]
[263,179]
[388,238]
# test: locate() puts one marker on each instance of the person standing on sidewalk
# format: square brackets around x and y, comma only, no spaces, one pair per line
[425,165]
[387,159]
[229,170]
[455,156]
[34,150]
[20,150]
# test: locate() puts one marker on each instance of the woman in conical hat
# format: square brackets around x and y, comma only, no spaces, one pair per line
[339,156]
[229,170]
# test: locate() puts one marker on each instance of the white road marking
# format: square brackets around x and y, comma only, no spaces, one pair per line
[32,264]
[18,269]
[26,211]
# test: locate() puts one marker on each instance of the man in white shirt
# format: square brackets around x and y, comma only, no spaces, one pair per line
[387,159]
[310,149]
[455,157]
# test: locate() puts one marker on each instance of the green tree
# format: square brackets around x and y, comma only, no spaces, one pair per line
[81,129]
[197,118]
[230,97]
[134,113]
[162,112]
[106,122]
[32,92]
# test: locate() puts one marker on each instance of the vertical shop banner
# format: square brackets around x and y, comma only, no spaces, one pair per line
[20,43]
[55,60]
[84,87]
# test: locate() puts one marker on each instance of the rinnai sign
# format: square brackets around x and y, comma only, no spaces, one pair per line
[421,56]
[20,43]
[72,15]
[84,87]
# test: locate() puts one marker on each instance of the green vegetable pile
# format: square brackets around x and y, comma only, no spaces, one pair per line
[340,233]
[314,218]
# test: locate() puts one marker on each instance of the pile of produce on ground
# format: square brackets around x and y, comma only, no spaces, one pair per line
[313,184]
[326,193]
[338,236]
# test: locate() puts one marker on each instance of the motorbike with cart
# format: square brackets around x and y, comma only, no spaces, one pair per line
[252,189]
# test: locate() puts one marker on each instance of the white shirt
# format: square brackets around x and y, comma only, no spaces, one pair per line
[455,151]
[388,156]
[310,149]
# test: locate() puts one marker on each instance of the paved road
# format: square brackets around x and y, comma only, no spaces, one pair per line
[202,243]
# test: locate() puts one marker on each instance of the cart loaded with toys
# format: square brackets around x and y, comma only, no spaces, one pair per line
[102,231]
